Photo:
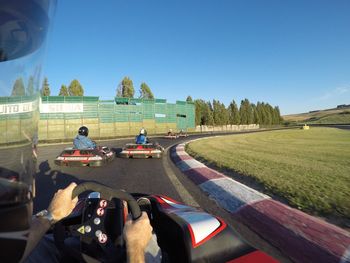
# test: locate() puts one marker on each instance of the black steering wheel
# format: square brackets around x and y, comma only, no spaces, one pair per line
[99,227]
[109,193]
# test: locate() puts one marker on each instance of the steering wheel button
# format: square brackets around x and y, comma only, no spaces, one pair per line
[103,203]
[97,221]
[98,233]
[87,229]
[100,211]
[102,238]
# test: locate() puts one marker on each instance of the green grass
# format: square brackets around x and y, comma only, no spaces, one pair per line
[309,168]
[331,116]
[339,118]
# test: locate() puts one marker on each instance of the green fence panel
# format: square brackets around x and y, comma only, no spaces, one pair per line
[106,114]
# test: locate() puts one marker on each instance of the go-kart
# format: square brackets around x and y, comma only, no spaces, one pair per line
[184,233]
[171,135]
[148,150]
[182,134]
[87,157]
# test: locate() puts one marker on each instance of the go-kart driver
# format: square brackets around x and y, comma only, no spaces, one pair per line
[23,29]
[81,141]
[170,132]
[142,137]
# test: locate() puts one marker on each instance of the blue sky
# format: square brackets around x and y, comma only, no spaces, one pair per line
[295,54]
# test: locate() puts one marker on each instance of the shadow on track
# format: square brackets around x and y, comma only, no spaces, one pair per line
[47,182]
[117,150]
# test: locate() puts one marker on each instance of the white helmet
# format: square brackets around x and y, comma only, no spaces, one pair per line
[143,131]
[170,130]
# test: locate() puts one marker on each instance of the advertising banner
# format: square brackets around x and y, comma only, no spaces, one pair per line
[15,108]
[61,107]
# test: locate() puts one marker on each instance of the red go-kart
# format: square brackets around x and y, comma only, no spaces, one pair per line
[87,157]
[148,150]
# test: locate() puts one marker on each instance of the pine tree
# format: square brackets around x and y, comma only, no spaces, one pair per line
[234,117]
[63,91]
[256,119]
[278,115]
[45,90]
[246,112]
[145,92]
[225,114]
[216,113]
[30,86]
[268,112]
[126,88]
[200,111]
[75,88]
[209,115]
[18,88]
[189,98]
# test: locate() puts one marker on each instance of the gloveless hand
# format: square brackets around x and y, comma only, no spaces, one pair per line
[62,204]
[137,235]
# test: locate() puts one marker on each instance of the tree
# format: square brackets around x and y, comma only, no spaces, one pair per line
[63,91]
[75,88]
[278,115]
[234,117]
[30,86]
[208,115]
[246,112]
[18,88]
[126,88]
[200,111]
[220,113]
[189,98]
[145,92]
[256,119]
[216,112]
[45,90]
[208,118]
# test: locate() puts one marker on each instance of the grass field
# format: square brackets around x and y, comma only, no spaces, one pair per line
[308,168]
[333,116]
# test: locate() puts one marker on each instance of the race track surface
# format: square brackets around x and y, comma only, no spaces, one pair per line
[151,176]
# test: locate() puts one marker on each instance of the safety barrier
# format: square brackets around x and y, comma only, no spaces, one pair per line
[60,117]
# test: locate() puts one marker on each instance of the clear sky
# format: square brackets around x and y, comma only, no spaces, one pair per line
[295,54]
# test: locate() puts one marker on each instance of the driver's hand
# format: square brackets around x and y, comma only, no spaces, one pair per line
[137,234]
[62,204]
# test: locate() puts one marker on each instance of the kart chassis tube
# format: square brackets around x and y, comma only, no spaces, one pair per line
[109,193]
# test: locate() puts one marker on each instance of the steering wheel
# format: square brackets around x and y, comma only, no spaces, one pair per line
[109,193]
[100,226]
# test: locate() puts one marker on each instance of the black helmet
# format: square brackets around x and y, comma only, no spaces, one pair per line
[23,29]
[84,131]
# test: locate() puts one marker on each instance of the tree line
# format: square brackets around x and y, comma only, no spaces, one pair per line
[216,113]
[125,89]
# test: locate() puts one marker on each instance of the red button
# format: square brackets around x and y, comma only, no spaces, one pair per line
[100,212]
[103,203]
[102,238]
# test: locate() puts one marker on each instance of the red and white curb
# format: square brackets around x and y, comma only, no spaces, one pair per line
[301,237]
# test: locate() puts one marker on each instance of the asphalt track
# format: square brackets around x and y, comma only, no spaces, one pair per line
[151,176]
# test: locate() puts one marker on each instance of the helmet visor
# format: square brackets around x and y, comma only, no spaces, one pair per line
[23,28]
